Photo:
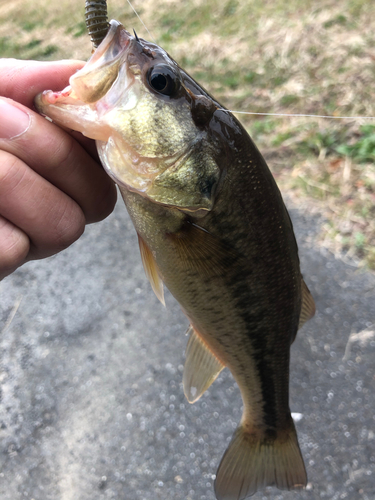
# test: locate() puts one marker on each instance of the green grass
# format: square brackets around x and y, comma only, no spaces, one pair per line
[270,57]
[34,49]
[362,148]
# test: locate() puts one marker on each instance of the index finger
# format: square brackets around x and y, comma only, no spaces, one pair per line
[23,80]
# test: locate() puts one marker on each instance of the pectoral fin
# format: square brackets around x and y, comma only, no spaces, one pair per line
[307,306]
[200,251]
[151,270]
[201,367]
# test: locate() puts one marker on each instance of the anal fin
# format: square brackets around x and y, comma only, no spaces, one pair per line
[201,367]
[151,270]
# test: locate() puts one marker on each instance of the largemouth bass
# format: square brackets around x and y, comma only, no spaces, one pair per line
[213,227]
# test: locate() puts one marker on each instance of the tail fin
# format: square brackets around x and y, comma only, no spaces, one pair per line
[251,463]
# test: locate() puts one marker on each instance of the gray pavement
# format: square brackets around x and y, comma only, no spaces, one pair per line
[92,406]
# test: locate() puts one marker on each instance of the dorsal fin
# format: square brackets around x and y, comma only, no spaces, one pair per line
[201,367]
[307,305]
[151,270]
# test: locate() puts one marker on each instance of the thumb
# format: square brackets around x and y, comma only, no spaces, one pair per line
[23,80]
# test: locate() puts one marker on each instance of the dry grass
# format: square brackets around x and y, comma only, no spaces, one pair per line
[260,56]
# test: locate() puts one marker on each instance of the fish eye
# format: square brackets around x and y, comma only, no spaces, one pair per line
[163,80]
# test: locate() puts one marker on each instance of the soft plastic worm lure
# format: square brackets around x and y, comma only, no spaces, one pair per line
[96,20]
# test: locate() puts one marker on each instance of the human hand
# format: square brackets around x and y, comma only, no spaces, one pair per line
[51,181]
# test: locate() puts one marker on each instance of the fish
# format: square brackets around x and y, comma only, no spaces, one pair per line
[213,228]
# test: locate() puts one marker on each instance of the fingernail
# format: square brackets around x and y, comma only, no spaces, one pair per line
[13,121]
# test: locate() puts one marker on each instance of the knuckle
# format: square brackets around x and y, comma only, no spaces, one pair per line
[14,247]
[11,173]
[63,151]
[69,226]
[104,204]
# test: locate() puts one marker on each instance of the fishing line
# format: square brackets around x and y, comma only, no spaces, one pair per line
[136,13]
[272,114]
[308,116]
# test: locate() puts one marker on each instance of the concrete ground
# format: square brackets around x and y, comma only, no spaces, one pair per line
[92,406]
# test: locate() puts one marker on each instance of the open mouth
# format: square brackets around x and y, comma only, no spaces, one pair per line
[87,98]
[93,81]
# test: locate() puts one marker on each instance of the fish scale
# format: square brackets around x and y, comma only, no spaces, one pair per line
[212,226]
[240,297]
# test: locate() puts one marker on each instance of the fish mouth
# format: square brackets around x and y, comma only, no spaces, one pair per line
[82,103]
[96,78]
